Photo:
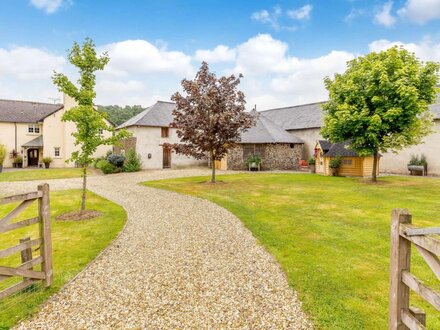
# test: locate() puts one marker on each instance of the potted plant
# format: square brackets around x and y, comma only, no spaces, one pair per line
[253,161]
[13,154]
[47,161]
[312,163]
[18,161]
[334,165]
[2,156]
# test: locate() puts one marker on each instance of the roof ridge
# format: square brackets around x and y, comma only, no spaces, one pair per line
[294,106]
[45,103]
[165,102]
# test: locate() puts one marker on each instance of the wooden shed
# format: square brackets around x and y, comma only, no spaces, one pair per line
[352,164]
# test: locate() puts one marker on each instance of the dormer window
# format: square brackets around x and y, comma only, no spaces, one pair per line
[34,129]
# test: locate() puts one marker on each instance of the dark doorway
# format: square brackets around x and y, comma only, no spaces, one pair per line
[33,157]
[166,157]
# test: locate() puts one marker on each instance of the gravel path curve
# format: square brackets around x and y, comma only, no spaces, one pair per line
[181,263]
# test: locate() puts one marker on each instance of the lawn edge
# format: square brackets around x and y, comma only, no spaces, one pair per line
[85,267]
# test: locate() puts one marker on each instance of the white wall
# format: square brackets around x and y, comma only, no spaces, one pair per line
[7,137]
[309,136]
[149,141]
[397,163]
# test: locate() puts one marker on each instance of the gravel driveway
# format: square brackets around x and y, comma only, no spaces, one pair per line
[181,263]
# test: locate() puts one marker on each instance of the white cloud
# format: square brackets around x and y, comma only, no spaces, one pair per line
[260,54]
[140,56]
[384,16]
[420,11]
[300,14]
[271,18]
[354,14]
[221,53]
[49,6]
[27,63]
[426,50]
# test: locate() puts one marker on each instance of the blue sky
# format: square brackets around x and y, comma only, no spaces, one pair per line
[284,48]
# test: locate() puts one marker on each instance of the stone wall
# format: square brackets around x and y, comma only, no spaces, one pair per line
[275,156]
[281,157]
[125,144]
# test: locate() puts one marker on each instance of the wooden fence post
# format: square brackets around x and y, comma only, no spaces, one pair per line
[26,255]
[46,246]
[400,260]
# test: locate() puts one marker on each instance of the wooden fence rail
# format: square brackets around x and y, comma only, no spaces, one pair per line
[403,234]
[25,245]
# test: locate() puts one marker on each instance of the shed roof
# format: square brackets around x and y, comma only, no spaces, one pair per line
[159,114]
[325,145]
[26,112]
[341,149]
[266,131]
[311,115]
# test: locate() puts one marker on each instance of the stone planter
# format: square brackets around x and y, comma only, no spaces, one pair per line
[312,168]
[417,169]
[19,165]
[1,168]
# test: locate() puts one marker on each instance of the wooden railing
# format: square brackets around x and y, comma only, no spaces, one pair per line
[43,243]
[401,315]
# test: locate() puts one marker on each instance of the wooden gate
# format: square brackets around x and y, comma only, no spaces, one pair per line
[43,242]
[401,315]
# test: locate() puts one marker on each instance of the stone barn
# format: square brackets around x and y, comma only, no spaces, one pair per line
[278,149]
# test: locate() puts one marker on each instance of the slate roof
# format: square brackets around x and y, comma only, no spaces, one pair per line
[37,142]
[297,117]
[340,149]
[325,145]
[266,131]
[159,114]
[26,112]
[311,115]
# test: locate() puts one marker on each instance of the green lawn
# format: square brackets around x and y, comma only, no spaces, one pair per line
[75,244]
[41,174]
[330,234]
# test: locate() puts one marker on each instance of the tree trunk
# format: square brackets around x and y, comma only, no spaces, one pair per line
[83,200]
[374,176]
[213,167]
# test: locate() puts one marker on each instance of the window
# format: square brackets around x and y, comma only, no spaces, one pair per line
[165,131]
[252,149]
[57,152]
[101,131]
[34,129]
[347,162]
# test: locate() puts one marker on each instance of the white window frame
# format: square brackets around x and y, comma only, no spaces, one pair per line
[57,150]
[32,129]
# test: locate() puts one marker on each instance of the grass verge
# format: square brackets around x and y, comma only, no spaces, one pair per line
[41,174]
[75,244]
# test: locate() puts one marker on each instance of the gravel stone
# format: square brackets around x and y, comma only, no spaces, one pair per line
[180,263]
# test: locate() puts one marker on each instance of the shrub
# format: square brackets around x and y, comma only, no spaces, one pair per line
[108,168]
[303,162]
[253,159]
[100,162]
[116,160]
[133,161]
[18,160]
[335,162]
[2,153]
[47,160]
[311,161]
[415,160]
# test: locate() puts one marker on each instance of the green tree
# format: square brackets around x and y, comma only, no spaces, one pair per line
[119,115]
[90,124]
[381,102]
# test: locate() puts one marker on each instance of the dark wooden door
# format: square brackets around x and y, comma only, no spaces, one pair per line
[32,157]
[166,157]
